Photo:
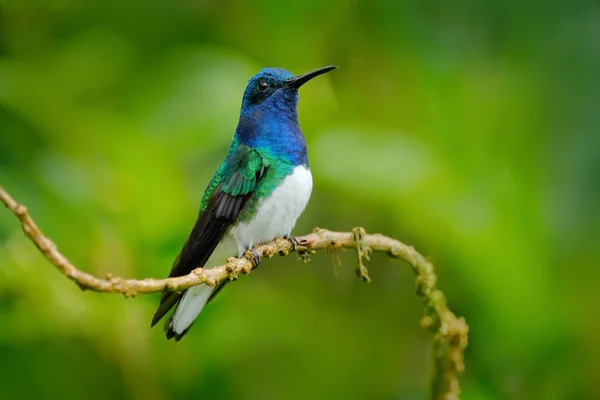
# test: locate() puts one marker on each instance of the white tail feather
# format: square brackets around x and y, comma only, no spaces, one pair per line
[193,301]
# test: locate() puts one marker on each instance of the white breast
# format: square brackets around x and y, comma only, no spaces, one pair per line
[277,214]
[275,217]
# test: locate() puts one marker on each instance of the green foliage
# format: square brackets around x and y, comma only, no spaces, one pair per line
[469,129]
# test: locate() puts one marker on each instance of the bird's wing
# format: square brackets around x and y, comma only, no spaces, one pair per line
[223,201]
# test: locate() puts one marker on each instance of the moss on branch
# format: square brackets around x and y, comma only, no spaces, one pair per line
[450,333]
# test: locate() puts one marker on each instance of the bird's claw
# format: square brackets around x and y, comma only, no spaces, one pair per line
[255,257]
[294,243]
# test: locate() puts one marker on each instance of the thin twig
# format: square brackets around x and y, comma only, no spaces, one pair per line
[363,251]
[449,332]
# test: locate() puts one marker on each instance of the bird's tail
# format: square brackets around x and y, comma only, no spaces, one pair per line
[193,301]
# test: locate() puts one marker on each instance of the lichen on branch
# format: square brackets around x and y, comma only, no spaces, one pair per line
[450,333]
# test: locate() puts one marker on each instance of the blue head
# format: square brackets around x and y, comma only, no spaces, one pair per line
[269,83]
[269,115]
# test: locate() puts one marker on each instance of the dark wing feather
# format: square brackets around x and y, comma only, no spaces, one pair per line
[222,204]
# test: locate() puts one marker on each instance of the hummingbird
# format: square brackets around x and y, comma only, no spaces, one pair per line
[256,195]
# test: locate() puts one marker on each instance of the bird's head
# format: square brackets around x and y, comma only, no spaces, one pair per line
[276,85]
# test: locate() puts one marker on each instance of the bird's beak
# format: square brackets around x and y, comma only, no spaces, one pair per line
[300,80]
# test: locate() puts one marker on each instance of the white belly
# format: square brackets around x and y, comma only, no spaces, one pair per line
[276,215]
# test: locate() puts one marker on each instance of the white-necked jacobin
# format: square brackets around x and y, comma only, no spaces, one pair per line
[256,195]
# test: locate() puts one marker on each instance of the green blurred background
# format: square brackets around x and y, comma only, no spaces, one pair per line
[468,129]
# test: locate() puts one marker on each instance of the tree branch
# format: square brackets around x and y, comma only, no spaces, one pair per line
[449,332]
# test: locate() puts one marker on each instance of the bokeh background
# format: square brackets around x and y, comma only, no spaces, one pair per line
[468,129]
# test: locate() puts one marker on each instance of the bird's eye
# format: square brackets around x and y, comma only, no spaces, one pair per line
[263,86]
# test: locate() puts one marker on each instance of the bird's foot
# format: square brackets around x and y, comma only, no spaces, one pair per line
[254,257]
[304,254]
[294,242]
